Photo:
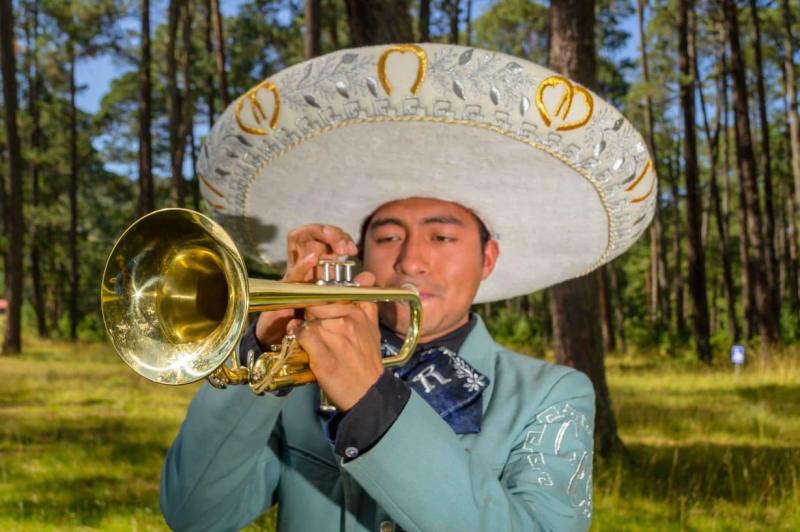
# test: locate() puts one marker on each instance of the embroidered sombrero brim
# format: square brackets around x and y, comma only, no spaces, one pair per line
[559,176]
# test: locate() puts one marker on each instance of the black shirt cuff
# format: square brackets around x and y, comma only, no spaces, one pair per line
[359,429]
[249,343]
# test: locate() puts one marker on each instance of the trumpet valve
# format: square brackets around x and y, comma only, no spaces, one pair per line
[336,273]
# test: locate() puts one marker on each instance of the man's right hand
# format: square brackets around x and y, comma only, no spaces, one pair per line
[305,246]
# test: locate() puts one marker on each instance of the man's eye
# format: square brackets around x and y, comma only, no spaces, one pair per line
[444,238]
[385,239]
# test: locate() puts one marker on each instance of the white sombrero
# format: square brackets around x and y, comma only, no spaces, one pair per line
[560,177]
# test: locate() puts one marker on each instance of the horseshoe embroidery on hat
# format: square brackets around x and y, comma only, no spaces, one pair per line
[213,189]
[564,104]
[257,110]
[648,166]
[422,65]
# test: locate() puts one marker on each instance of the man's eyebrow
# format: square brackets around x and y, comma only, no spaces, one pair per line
[442,219]
[380,222]
[445,219]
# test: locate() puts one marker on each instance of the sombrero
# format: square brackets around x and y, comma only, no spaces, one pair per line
[560,177]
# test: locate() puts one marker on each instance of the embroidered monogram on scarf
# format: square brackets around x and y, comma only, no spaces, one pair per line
[448,383]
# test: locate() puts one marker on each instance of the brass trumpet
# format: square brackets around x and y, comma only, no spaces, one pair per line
[175,298]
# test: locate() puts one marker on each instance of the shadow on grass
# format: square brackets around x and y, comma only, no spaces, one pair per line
[759,412]
[78,471]
[702,473]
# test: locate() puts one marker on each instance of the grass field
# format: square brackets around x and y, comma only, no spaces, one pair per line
[82,439]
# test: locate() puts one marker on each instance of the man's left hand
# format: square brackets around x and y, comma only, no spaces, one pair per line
[343,344]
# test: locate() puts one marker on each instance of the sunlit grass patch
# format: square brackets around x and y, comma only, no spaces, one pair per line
[82,440]
[707,448]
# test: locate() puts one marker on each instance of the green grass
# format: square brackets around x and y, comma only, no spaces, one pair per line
[82,439]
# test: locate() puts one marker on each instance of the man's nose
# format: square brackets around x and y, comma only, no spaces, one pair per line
[413,258]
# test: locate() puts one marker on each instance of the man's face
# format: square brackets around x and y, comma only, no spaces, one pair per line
[434,245]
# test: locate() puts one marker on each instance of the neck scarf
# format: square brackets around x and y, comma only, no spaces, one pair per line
[447,382]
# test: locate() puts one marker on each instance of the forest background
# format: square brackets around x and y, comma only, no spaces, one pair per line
[683,439]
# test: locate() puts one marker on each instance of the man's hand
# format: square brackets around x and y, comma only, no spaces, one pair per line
[343,344]
[305,246]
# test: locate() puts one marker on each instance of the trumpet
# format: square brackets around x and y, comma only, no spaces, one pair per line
[175,298]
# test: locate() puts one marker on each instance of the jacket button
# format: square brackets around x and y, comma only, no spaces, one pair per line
[351,452]
[387,526]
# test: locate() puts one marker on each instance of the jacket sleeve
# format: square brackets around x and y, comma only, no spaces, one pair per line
[223,468]
[422,475]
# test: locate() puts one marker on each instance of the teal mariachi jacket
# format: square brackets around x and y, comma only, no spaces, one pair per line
[529,468]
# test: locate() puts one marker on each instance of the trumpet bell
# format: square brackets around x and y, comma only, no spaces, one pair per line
[174,296]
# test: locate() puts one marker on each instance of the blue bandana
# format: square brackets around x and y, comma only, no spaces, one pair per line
[447,382]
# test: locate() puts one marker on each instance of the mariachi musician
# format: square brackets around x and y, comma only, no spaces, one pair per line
[474,176]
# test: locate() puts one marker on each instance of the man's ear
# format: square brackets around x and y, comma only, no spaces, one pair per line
[490,254]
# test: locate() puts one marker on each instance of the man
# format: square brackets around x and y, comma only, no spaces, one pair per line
[466,435]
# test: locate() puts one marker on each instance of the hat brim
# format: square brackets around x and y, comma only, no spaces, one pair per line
[561,202]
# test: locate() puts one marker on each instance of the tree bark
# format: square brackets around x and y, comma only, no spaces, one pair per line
[12,342]
[73,196]
[379,21]
[220,51]
[147,201]
[773,279]
[574,304]
[765,307]
[694,207]
[312,30]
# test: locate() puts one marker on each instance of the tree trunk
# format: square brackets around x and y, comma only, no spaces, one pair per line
[34,86]
[209,51]
[765,307]
[773,280]
[659,291]
[712,141]
[147,201]
[174,106]
[790,229]
[574,304]
[607,310]
[424,20]
[694,207]
[379,21]
[12,342]
[468,29]
[193,154]
[312,33]
[220,55]
[791,90]
[186,133]
[452,8]
[619,314]
[73,197]
[677,249]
